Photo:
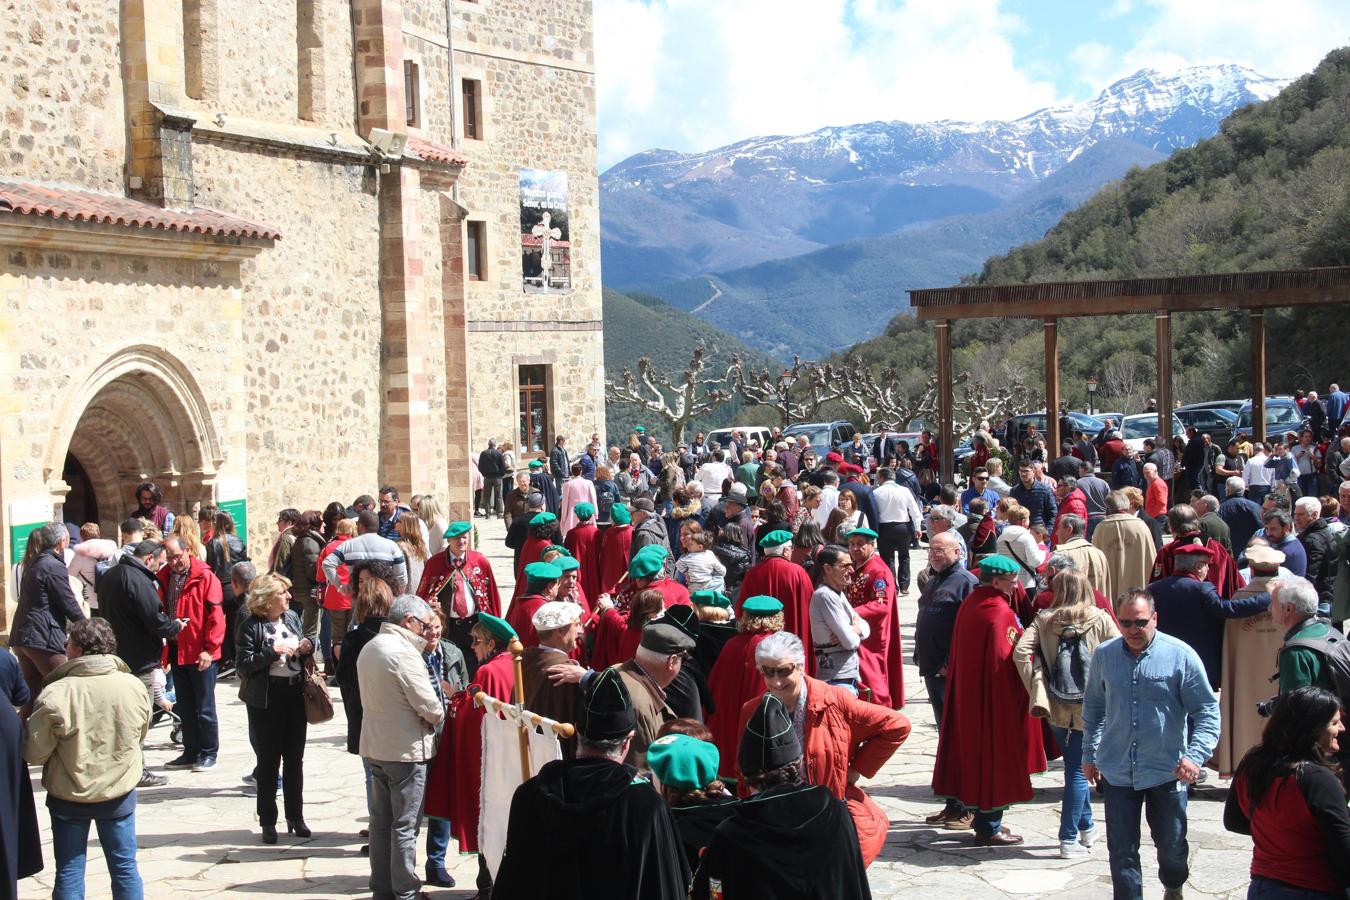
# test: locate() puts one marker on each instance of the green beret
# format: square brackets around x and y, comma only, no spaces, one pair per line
[457,528]
[644,565]
[552,547]
[639,429]
[660,551]
[999,565]
[542,571]
[566,564]
[543,518]
[536,464]
[711,598]
[498,628]
[776,538]
[683,762]
[864,533]
[619,514]
[761,605]
[584,510]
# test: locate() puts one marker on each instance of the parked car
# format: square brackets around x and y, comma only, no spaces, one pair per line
[1134,430]
[1015,429]
[751,432]
[1216,420]
[1282,415]
[823,436]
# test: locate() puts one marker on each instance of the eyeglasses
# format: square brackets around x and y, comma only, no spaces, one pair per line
[981,478]
[777,672]
[1135,623]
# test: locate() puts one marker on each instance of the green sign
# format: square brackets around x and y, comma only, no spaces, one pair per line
[18,539]
[238,510]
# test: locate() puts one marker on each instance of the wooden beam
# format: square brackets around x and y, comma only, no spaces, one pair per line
[1258,327]
[947,464]
[1052,436]
[1162,321]
[1121,305]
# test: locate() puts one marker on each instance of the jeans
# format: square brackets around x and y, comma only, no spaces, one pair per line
[396,800]
[1307,485]
[35,665]
[1075,812]
[1257,492]
[987,824]
[1268,889]
[848,684]
[893,541]
[326,639]
[937,695]
[196,707]
[70,845]
[492,496]
[279,733]
[438,840]
[1165,807]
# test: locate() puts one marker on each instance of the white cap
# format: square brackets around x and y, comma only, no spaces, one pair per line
[555,614]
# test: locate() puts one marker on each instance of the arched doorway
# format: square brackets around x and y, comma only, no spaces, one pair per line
[143,420]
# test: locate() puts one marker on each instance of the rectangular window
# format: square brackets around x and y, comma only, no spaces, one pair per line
[472,96]
[474,251]
[533,409]
[410,92]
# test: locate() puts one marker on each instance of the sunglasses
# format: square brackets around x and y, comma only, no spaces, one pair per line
[772,672]
[1135,623]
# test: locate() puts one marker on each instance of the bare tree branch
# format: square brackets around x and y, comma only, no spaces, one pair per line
[695,393]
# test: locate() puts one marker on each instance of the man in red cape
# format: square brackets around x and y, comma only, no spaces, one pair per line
[583,542]
[881,666]
[455,781]
[616,544]
[646,571]
[543,527]
[570,591]
[541,586]
[1185,527]
[735,678]
[460,580]
[988,746]
[777,576]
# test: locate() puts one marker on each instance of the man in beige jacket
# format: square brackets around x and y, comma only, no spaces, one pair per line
[86,731]
[1071,540]
[1127,544]
[402,711]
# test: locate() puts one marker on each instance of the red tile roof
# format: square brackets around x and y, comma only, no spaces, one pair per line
[24,198]
[434,152]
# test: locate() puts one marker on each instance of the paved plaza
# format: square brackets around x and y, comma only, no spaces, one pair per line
[199,838]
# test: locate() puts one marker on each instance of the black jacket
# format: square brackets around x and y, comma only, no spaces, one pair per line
[1320,546]
[253,656]
[129,600]
[491,463]
[559,466]
[939,601]
[352,642]
[46,605]
[736,559]
[221,562]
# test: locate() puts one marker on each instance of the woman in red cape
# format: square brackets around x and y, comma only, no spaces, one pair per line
[583,542]
[989,745]
[734,679]
[616,544]
[455,779]
[778,577]
[543,528]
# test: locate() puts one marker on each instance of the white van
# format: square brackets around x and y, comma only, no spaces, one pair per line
[751,432]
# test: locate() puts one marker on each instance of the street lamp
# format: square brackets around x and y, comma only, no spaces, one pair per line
[1092,393]
[786,379]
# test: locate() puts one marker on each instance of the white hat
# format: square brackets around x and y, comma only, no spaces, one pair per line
[555,614]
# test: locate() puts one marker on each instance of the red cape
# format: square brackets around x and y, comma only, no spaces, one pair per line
[1073,504]
[455,779]
[528,554]
[484,584]
[583,542]
[1046,599]
[734,680]
[521,618]
[881,664]
[788,583]
[615,543]
[1223,572]
[989,745]
[606,649]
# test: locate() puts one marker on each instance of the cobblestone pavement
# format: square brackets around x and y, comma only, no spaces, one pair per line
[199,837]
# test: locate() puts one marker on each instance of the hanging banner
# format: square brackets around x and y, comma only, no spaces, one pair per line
[545,245]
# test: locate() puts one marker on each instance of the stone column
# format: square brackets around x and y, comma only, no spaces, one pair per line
[377,33]
[159,133]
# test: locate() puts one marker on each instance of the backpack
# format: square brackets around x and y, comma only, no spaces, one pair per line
[1066,672]
[605,497]
[1335,652]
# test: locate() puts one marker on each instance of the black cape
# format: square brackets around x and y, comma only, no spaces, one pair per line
[590,829]
[20,842]
[788,843]
[689,696]
[544,484]
[697,824]
[712,637]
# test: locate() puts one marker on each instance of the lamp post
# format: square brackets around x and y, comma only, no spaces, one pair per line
[786,379]
[1092,394]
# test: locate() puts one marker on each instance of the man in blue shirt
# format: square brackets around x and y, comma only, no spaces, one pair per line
[1242,516]
[389,513]
[1034,495]
[1141,689]
[1280,533]
[1337,401]
[979,487]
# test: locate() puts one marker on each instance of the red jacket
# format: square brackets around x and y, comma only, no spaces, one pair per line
[199,603]
[1073,504]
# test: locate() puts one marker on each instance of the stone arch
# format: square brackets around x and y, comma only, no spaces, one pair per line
[139,415]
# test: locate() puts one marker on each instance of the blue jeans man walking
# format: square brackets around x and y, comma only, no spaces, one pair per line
[1141,690]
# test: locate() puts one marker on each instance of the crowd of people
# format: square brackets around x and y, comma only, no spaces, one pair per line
[721,626]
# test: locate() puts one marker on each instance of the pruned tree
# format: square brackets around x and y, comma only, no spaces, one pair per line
[795,394]
[978,402]
[881,396]
[677,401]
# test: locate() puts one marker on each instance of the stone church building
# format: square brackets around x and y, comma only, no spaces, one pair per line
[273,254]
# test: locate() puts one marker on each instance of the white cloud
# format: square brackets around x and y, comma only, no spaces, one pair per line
[696,74]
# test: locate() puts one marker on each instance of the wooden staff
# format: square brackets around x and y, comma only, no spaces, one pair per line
[517,653]
[527,718]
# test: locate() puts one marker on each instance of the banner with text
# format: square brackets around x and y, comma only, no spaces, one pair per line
[545,246]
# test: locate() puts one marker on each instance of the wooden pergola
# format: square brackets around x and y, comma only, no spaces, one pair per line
[1253,291]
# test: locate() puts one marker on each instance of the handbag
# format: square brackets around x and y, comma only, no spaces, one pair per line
[318,704]
[1038,580]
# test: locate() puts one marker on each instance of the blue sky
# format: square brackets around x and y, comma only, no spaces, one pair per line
[696,74]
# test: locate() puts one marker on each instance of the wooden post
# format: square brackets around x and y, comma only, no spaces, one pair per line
[1162,321]
[946,459]
[517,649]
[1258,325]
[1052,435]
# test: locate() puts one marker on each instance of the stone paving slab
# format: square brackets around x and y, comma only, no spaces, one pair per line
[199,837]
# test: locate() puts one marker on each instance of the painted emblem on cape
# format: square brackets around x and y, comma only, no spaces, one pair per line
[1012,635]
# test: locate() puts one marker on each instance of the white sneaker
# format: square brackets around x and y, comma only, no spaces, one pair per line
[1089,837]
[1072,850]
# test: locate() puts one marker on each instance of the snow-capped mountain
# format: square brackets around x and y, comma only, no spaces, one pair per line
[668,214]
